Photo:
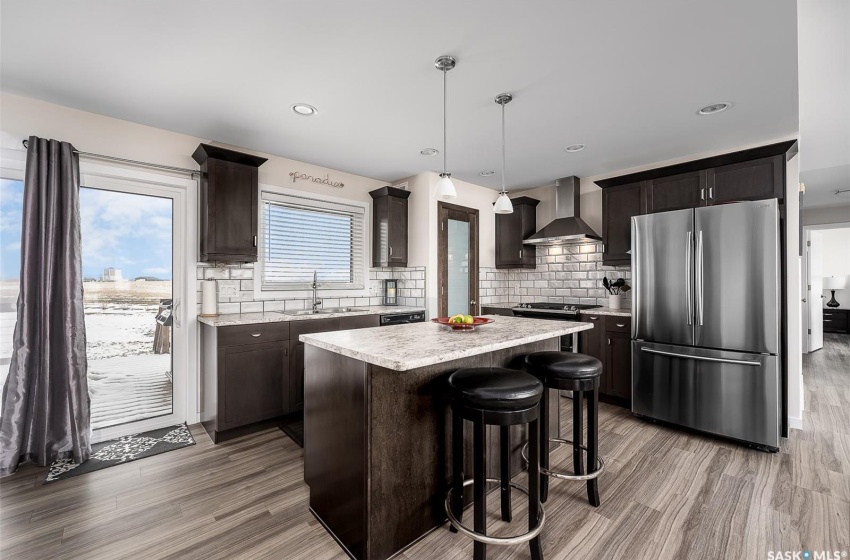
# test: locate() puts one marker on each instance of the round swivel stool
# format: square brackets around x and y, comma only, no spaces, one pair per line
[570,371]
[497,397]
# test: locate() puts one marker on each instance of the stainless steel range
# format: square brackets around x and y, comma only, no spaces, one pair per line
[555,312]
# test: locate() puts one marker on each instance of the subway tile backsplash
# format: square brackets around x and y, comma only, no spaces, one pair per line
[564,274]
[240,278]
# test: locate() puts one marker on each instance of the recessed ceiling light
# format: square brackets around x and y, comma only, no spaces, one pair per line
[429,151]
[574,148]
[304,110]
[486,173]
[714,108]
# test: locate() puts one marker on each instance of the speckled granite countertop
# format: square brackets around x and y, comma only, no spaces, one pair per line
[624,312]
[231,319]
[415,345]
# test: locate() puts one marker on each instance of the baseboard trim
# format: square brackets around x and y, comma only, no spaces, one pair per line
[796,423]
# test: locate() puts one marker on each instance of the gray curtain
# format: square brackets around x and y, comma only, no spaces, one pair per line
[45,413]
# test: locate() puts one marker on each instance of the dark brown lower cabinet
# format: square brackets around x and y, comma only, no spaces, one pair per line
[609,341]
[251,373]
[252,380]
[296,349]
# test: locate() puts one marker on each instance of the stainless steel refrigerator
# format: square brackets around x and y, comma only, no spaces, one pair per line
[706,320]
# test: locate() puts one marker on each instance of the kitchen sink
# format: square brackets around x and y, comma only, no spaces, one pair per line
[320,311]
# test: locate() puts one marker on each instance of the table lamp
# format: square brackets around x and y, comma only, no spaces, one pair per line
[833,283]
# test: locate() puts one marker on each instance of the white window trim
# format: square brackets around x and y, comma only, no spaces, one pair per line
[261,294]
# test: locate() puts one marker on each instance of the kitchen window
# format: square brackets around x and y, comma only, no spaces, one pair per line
[302,235]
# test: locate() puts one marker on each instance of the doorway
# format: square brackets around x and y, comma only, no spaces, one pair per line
[826,274]
[457,260]
[133,278]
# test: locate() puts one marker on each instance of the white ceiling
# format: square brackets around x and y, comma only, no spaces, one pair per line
[623,77]
[824,100]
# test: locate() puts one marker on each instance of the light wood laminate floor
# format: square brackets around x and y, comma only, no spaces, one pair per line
[665,494]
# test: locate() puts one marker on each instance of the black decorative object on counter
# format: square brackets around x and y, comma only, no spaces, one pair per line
[391,292]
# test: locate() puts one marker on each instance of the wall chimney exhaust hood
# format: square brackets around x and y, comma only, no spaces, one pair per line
[567,227]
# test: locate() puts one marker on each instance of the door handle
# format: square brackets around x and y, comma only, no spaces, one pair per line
[702,358]
[804,300]
[688,295]
[472,302]
[699,272]
[255,241]
[256,334]
[175,314]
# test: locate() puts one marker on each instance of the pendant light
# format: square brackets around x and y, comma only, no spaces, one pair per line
[503,203]
[445,187]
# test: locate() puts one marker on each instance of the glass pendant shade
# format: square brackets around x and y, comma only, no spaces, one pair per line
[445,188]
[503,204]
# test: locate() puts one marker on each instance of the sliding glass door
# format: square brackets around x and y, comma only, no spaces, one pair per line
[132,271]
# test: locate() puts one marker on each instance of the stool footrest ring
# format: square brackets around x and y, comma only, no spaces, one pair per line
[516,539]
[600,464]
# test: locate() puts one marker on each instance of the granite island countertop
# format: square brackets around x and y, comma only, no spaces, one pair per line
[415,345]
[624,312]
[231,319]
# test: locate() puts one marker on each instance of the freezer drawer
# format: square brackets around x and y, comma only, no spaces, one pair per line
[731,394]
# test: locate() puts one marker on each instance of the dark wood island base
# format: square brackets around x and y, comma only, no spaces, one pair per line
[377,449]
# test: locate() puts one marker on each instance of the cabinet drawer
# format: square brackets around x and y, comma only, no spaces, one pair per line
[835,321]
[359,322]
[252,334]
[618,324]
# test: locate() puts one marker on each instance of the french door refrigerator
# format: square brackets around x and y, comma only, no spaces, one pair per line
[706,320]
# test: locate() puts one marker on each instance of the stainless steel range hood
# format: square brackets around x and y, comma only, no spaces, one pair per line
[567,227]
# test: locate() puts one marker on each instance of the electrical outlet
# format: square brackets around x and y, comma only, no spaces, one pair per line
[228,291]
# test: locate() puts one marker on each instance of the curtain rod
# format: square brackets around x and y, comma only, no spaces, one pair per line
[184,170]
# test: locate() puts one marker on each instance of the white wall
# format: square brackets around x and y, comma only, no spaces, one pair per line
[836,261]
[794,341]
[826,215]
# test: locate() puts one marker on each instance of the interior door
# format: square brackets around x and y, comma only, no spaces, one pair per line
[814,298]
[457,262]
[737,277]
[662,270]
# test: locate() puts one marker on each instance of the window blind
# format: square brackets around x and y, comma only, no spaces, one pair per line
[302,235]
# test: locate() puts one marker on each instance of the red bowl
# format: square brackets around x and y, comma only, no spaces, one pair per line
[476,322]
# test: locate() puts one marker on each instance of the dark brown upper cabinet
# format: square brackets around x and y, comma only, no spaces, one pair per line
[389,226]
[229,200]
[677,192]
[619,204]
[754,174]
[511,229]
[749,180]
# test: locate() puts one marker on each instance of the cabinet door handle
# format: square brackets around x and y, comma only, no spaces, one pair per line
[594,318]
[256,334]
[711,193]
[621,325]
[285,351]
[255,241]
[520,254]
[702,194]
[391,250]
[609,342]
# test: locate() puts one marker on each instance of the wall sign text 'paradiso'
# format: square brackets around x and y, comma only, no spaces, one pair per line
[321,180]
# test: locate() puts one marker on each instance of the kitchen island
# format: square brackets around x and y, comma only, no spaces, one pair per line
[377,423]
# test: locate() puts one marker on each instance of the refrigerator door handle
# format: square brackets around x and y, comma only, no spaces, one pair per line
[702,358]
[699,280]
[688,269]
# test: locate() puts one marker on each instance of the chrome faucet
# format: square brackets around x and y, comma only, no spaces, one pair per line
[316,301]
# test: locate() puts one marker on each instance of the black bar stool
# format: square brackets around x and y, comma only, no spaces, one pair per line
[570,371]
[499,397]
